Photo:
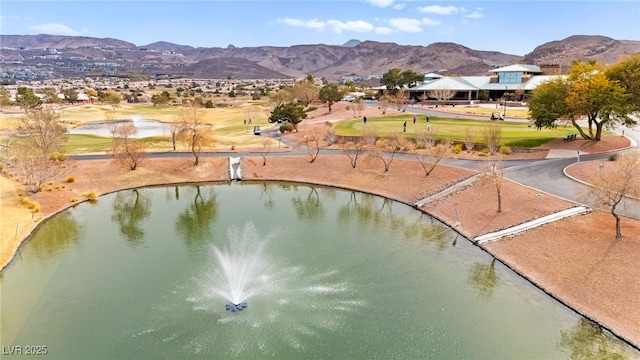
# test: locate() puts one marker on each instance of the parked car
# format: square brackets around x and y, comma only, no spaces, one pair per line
[256,130]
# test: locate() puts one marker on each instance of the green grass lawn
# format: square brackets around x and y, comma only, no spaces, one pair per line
[514,134]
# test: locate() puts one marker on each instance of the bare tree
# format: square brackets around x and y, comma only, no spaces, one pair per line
[369,136]
[193,131]
[354,150]
[431,156]
[35,168]
[37,137]
[442,94]
[399,100]
[383,103]
[312,141]
[492,135]
[357,106]
[127,150]
[266,148]
[41,130]
[469,143]
[386,149]
[610,186]
[493,171]
[331,135]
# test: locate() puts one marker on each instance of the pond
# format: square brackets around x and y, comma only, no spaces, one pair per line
[145,128]
[324,273]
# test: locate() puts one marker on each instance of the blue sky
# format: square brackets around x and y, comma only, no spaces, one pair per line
[513,27]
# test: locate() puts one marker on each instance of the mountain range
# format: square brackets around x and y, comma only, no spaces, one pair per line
[53,56]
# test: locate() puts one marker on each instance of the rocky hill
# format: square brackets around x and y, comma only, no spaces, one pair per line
[27,57]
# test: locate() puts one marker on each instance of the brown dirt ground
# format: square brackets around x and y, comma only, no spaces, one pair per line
[577,260]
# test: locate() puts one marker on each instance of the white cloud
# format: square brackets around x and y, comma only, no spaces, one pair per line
[406,24]
[439,10]
[384,30]
[311,24]
[380,3]
[355,26]
[430,22]
[474,15]
[398,6]
[54,29]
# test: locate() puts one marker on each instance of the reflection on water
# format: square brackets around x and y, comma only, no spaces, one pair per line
[130,208]
[330,274]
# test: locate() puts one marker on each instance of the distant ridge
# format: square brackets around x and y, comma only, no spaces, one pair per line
[51,56]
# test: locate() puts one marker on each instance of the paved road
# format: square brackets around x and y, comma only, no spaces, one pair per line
[546,175]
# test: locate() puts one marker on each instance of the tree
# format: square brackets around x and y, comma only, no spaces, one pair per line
[41,130]
[469,143]
[431,156]
[491,135]
[399,99]
[609,187]
[396,79]
[161,99]
[281,96]
[592,94]
[442,95]
[70,95]
[357,107]
[354,150]
[292,113]
[386,149]
[586,92]
[305,90]
[38,136]
[627,73]
[383,102]
[27,99]
[330,94]
[547,103]
[112,98]
[193,131]
[5,97]
[266,148]
[494,173]
[312,141]
[50,96]
[126,149]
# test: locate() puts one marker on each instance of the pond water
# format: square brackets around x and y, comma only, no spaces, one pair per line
[145,128]
[325,273]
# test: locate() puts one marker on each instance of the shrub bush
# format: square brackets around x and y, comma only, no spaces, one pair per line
[286,127]
[505,150]
[71,179]
[613,157]
[457,149]
[311,108]
[57,156]
[91,195]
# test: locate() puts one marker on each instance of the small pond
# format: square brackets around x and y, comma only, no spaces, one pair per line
[145,127]
[325,273]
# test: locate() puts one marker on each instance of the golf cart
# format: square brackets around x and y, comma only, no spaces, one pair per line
[497,116]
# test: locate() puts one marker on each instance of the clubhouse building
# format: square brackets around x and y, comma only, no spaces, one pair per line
[518,80]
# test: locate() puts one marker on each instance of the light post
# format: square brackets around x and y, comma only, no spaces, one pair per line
[504,112]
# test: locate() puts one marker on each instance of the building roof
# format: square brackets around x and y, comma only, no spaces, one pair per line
[518,67]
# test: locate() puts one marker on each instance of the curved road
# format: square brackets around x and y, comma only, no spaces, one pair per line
[545,175]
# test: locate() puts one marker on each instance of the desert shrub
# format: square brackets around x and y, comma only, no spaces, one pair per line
[74,200]
[485,151]
[311,108]
[91,195]
[286,127]
[457,149]
[57,156]
[505,150]
[613,157]
[71,179]
[30,204]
